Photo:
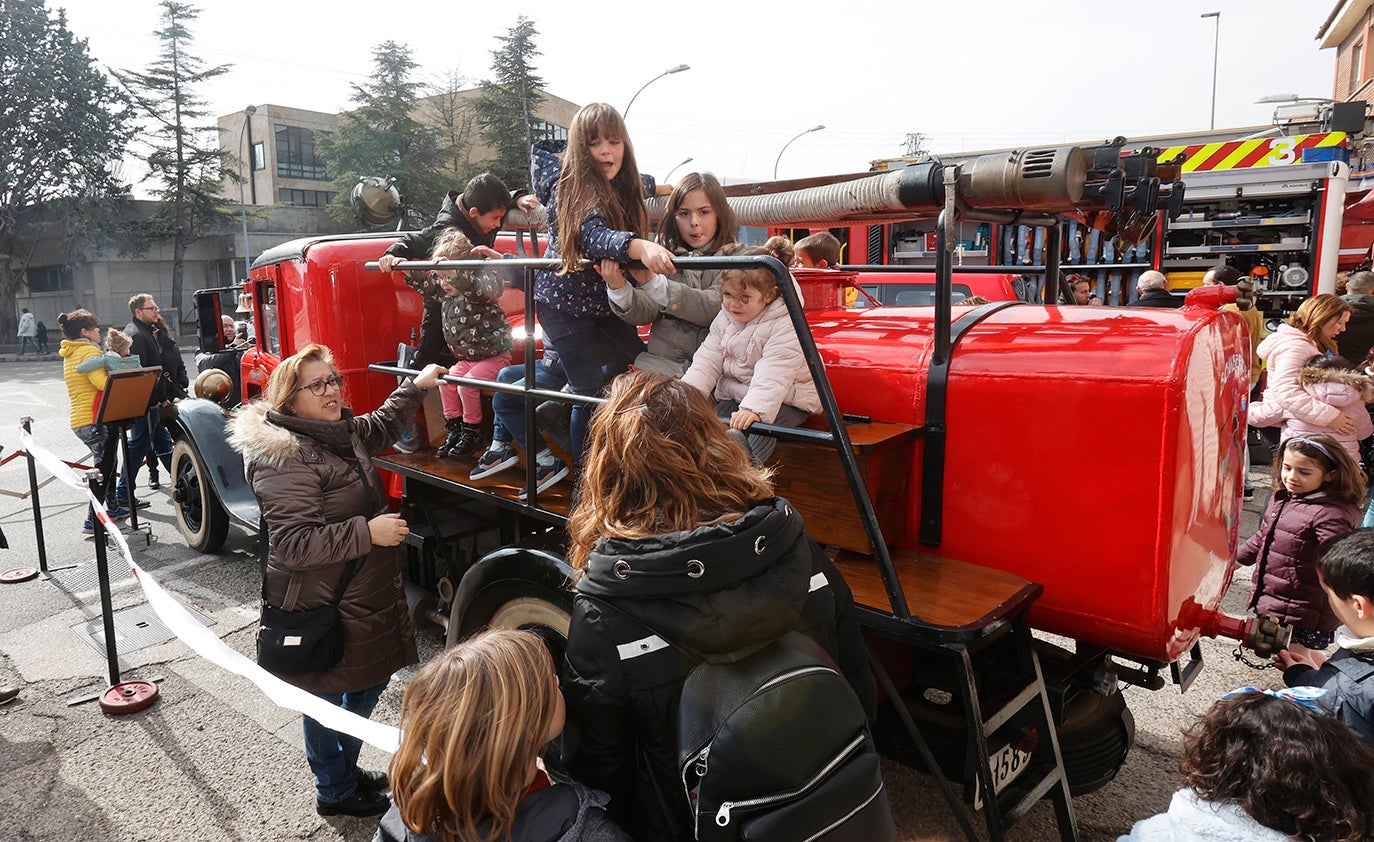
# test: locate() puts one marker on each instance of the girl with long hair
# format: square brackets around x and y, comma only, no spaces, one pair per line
[594,194]
[676,531]
[697,222]
[474,721]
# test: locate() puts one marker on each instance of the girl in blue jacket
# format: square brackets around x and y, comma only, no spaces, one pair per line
[595,195]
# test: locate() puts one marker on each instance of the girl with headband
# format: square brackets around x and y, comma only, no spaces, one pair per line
[1318,496]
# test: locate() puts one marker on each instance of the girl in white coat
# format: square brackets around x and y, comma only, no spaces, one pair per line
[752,362]
[1268,766]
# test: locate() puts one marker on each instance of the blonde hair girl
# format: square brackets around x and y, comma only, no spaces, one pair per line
[474,721]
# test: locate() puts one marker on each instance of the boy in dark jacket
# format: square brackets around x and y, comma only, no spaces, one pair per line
[478,213]
[1347,576]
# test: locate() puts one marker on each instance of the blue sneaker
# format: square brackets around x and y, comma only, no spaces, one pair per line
[407,443]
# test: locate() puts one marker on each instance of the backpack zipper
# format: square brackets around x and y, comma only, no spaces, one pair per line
[788,676]
[723,814]
[847,816]
[699,762]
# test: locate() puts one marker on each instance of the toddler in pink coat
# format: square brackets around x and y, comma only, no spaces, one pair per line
[1334,382]
[751,361]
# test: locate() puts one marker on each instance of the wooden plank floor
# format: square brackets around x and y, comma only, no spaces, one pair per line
[505,485]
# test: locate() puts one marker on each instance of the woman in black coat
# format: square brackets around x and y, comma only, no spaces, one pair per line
[680,540]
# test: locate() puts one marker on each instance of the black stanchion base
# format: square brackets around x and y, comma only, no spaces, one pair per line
[129,697]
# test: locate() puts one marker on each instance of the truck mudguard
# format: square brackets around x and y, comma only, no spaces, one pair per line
[525,570]
[202,424]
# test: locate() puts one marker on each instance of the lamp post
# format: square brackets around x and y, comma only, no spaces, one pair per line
[678,69]
[789,143]
[1216,44]
[243,205]
[668,178]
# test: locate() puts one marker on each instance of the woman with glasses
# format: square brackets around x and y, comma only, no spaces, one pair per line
[308,459]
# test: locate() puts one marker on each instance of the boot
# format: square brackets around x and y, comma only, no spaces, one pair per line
[455,429]
[469,439]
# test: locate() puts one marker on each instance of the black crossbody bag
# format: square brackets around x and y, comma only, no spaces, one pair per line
[295,642]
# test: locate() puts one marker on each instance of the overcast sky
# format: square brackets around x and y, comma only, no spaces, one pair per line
[969,75]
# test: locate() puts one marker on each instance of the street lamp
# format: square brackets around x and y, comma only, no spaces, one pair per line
[243,204]
[668,178]
[789,143]
[671,70]
[1216,44]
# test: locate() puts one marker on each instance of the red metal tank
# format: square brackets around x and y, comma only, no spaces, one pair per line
[1096,450]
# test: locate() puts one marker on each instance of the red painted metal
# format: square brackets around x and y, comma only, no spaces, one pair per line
[1128,514]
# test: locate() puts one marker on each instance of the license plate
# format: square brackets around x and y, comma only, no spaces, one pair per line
[1006,765]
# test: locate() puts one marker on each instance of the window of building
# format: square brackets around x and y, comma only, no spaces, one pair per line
[50,278]
[259,155]
[296,156]
[305,198]
[541,130]
[1356,60]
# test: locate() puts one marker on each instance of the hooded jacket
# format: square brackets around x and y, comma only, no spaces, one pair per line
[1358,339]
[565,812]
[715,589]
[758,363]
[679,327]
[1191,819]
[82,387]
[1284,552]
[1285,352]
[417,245]
[318,489]
[1347,391]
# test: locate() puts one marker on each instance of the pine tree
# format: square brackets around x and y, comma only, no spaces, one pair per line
[506,105]
[185,161]
[380,137]
[63,131]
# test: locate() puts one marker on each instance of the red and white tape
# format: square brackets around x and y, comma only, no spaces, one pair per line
[205,643]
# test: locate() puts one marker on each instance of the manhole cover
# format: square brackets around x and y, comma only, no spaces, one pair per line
[135,628]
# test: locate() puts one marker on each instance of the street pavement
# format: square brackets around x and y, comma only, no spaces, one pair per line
[214,760]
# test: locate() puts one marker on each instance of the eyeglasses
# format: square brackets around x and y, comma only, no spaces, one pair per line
[319,387]
[151,307]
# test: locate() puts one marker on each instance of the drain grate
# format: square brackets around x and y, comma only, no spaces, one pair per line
[135,628]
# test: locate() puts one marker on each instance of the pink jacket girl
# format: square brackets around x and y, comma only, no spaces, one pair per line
[1311,330]
[752,360]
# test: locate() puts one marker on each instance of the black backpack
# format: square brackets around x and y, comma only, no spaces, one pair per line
[775,746]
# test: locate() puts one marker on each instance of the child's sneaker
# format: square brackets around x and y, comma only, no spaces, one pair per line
[545,476]
[118,513]
[495,460]
[88,528]
[407,443]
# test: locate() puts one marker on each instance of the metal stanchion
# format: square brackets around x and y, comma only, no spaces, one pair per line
[121,696]
[27,423]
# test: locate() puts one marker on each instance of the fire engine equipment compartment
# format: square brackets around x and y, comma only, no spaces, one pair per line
[1095,450]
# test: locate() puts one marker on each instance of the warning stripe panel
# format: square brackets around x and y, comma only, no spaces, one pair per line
[1241,154]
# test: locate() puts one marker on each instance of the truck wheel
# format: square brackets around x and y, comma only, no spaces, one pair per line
[200,515]
[524,608]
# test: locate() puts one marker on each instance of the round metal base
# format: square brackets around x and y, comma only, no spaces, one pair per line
[128,697]
[18,574]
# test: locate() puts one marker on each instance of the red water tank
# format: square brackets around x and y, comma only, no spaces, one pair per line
[1096,450]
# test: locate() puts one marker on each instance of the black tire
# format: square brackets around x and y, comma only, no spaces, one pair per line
[200,516]
[518,606]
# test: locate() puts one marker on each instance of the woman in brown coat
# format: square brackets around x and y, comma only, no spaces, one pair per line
[309,461]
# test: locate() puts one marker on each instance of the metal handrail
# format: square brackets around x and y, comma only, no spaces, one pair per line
[838,437]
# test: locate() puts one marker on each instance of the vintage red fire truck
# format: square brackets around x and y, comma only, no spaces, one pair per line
[943,477]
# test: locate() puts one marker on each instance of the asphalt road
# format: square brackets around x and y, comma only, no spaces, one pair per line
[213,759]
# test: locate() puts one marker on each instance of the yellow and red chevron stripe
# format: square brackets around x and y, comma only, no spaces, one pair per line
[1240,154]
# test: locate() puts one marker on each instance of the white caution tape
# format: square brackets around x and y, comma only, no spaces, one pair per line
[205,643]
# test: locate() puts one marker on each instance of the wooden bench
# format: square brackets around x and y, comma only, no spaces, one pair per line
[812,478]
[505,486]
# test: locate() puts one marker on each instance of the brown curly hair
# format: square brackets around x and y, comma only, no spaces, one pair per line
[1291,769]
[659,461]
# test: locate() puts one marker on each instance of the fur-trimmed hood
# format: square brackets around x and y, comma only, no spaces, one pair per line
[1362,383]
[255,434]
[259,440]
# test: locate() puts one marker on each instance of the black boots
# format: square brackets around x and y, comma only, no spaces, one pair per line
[463,438]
